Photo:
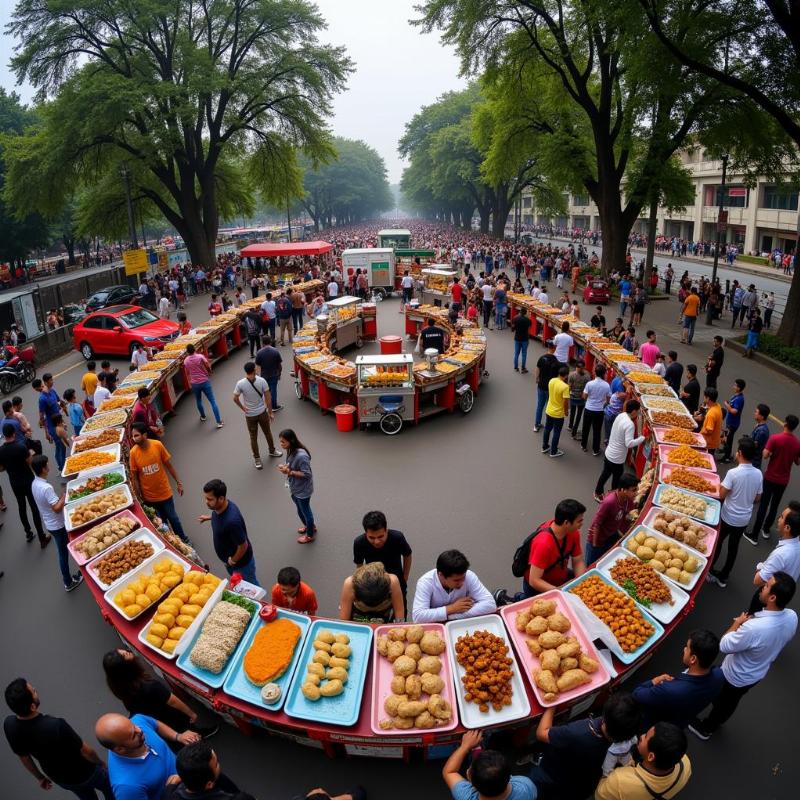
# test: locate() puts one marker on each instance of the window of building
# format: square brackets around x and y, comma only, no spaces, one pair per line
[580,199]
[526,201]
[780,197]
[735,196]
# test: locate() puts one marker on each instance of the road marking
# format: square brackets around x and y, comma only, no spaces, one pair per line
[65,371]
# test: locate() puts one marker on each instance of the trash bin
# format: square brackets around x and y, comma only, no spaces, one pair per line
[345,417]
[391,345]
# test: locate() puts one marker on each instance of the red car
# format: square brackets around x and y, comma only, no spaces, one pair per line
[596,291]
[114,331]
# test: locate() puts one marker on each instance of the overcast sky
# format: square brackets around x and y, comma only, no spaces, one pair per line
[398,69]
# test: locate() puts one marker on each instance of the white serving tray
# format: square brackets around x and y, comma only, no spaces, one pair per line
[140,535]
[82,477]
[70,507]
[114,449]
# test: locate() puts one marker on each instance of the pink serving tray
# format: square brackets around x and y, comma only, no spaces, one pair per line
[81,559]
[665,470]
[382,675]
[659,432]
[531,663]
[664,450]
[711,533]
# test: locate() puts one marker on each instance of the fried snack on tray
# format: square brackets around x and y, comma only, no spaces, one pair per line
[646,581]
[672,419]
[679,436]
[667,558]
[487,682]
[219,636]
[88,460]
[686,456]
[106,437]
[271,652]
[96,506]
[645,377]
[687,479]
[681,528]
[678,500]
[102,536]
[126,557]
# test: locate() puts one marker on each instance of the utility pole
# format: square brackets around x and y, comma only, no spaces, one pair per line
[722,217]
[126,177]
[289,216]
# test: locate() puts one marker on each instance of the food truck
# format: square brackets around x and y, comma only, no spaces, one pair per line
[377,262]
[394,237]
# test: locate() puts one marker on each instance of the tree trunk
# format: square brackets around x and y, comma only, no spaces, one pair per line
[651,241]
[69,243]
[485,212]
[500,212]
[789,330]
[615,233]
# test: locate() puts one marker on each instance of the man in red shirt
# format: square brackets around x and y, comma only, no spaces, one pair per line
[781,452]
[290,592]
[611,518]
[456,291]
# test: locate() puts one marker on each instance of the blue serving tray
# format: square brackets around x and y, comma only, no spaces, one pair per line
[345,708]
[712,504]
[237,685]
[307,349]
[209,678]
[625,658]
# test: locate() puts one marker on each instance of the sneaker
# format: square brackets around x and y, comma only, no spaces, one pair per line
[585,449]
[277,408]
[699,731]
[202,419]
[751,537]
[516,369]
[597,498]
[765,534]
[46,541]
[596,454]
[257,463]
[712,578]
[501,597]
[220,425]
[276,453]
[523,371]
[537,428]
[77,580]
[557,454]
[545,448]
[30,536]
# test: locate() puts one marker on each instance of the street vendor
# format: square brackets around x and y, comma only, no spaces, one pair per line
[431,336]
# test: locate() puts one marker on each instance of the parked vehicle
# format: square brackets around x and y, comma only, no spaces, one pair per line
[17,367]
[115,330]
[596,291]
[111,296]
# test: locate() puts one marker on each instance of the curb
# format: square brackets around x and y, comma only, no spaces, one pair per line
[783,369]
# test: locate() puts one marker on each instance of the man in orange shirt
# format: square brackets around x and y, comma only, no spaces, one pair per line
[712,424]
[150,462]
[691,306]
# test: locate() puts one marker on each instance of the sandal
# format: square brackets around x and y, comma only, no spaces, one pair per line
[305,539]
[302,530]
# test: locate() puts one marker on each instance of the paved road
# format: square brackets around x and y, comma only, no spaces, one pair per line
[476,482]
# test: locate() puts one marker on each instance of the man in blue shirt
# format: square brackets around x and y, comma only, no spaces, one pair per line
[10,419]
[49,404]
[760,434]
[139,760]
[624,295]
[681,698]
[733,418]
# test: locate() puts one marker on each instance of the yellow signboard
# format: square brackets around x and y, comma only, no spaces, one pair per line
[135,261]
[163,260]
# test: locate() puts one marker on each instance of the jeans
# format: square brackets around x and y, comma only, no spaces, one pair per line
[575,413]
[733,534]
[608,423]
[248,571]
[271,325]
[273,390]
[253,424]
[297,318]
[520,349]
[61,453]
[592,552]
[97,782]
[60,538]
[724,705]
[25,495]
[767,317]
[610,470]
[554,425]
[736,311]
[592,420]
[727,447]
[303,505]
[200,389]
[254,339]
[771,495]
[487,312]
[541,402]
[688,326]
[500,316]
[407,296]
[166,510]
[622,308]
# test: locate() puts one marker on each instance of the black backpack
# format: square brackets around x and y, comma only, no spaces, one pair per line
[519,565]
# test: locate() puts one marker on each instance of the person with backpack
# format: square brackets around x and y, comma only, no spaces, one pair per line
[283,309]
[543,559]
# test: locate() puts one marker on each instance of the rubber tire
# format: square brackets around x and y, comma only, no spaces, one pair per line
[359,343]
[29,373]
[7,384]
[466,401]
[380,293]
[391,423]
[86,351]
[298,390]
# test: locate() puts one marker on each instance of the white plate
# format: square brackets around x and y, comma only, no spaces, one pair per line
[70,507]
[470,716]
[663,612]
[669,542]
[140,535]
[82,477]
[119,431]
[114,449]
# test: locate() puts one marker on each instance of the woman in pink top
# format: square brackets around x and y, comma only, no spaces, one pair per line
[199,371]
[649,351]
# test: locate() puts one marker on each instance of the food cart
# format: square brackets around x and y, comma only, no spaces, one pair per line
[385,390]
[394,237]
[412,260]
[437,284]
[343,315]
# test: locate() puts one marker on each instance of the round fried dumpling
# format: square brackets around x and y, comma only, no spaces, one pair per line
[543,608]
[344,663]
[558,622]
[398,684]
[336,674]
[439,707]
[413,651]
[397,634]
[432,684]
[425,720]
[341,650]
[321,657]
[411,708]
[414,634]
[391,703]
[432,644]
[382,643]
[395,650]
[550,660]
[311,691]
[341,638]
[403,723]
[536,626]
[318,644]
[331,688]
[406,666]
[414,687]
[312,678]
[326,636]
[316,668]
[429,664]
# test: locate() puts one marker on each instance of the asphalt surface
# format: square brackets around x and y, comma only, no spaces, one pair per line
[477,482]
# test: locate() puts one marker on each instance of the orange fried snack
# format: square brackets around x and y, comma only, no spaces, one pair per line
[89,459]
[271,652]
[485,659]
[687,457]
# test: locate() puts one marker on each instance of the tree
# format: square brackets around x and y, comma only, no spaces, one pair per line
[178,89]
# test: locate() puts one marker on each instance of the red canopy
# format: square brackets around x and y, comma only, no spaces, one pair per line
[273,249]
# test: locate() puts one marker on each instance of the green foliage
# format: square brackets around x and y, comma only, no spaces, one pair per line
[770,345]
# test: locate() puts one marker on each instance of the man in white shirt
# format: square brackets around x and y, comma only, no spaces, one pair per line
[622,439]
[163,307]
[543,296]
[100,393]
[786,555]
[407,285]
[596,393]
[739,490]
[750,646]
[563,341]
[333,290]
[252,396]
[51,510]
[451,591]
[270,312]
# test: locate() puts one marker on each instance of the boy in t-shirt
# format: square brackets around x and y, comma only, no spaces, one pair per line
[291,593]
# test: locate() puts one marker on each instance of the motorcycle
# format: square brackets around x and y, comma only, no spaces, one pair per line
[17,366]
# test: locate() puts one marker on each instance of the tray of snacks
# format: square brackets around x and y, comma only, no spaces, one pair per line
[558,656]
[96,507]
[676,436]
[130,389]
[478,706]
[336,698]
[95,480]
[109,419]
[652,403]
[685,455]
[643,375]
[656,391]
[89,459]
[95,440]
[703,509]
[113,564]
[412,680]
[676,562]
[266,660]
[208,655]
[141,378]
[117,401]
[643,581]
[181,614]
[672,419]
[702,481]
[629,631]
[147,584]
[694,535]
[99,538]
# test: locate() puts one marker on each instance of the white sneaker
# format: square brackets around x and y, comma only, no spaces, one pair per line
[257,463]
[276,453]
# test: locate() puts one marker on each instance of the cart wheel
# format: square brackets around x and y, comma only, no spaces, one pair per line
[380,293]
[298,390]
[391,423]
[466,401]
[359,342]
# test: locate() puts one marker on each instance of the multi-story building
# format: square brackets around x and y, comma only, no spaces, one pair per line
[760,218]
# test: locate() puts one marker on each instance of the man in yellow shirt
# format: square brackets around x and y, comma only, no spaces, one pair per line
[664,769]
[712,424]
[555,412]
[89,383]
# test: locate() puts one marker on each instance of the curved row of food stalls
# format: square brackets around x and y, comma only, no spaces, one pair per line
[162,606]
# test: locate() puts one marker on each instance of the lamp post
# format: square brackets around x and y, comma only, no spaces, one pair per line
[126,177]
